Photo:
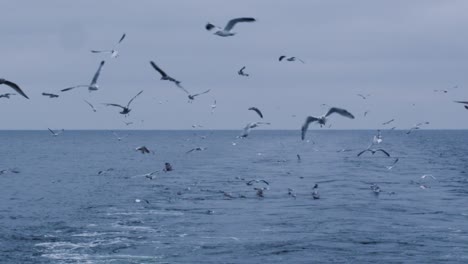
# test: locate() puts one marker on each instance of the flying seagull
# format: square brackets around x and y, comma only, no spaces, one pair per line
[192,96]
[143,150]
[90,105]
[55,134]
[14,86]
[242,73]
[7,95]
[323,119]
[256,111]
[114,53]
[166,77]
[50,95]
[282,57]
[388,122]
[417,126]
[196,149]
[249,126]
[226,32]
[93,85]
[126,109]
[257,181]
[373,152]
[363,96]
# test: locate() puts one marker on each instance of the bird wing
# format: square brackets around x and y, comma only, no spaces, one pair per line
[15,87]
[51,131]
[122,38]
[461,102]
[340,111]
[190,151]
[362,152]
[234,21]
[96,75]
[117,105]
[131,100]
[257,111]
[385,152]
[73,87]
[158,69]
[265,182]
[101,51]
[281,57]
[207,91]
[305,126]
[178,85]
[89,104]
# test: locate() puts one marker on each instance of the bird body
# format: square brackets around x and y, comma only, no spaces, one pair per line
[226,31]
[249,126]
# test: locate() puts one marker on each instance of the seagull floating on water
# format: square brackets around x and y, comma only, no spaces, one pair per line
[55,134]
[93,85]
[226,32]
[13,86]
[282,57]
[114,53]
[126,109]
[256,111]
[242,73]
[322,120]
[50,95]
[166,77]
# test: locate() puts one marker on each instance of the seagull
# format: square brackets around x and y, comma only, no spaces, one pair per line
[323,119]
[213,106]
[446,91]
[249,126]
[388,122]
[315,193]
[373,152]
[242,73]
[393,164]
[50,95]
[90,105]
[417,126]
[143,150]
[55,134]
[257,111]
[378,138]
[257,181]
[376,189]
[114,53]
[363,96]
[14,86]
[126,109]
[117,136]
[192,96]
[196,149]
[166,77]
[226,32]
[7,95]
[93,85]
[282,57]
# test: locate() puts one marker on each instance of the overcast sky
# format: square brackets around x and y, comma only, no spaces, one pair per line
[397,51]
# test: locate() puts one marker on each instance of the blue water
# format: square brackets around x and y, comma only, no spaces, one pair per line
[58,209]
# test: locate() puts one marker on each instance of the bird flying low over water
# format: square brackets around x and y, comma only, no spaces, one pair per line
[14,86]
[192,96]
[114,53]
[322,120]
[7,95]
[282,57]
[373,152]
[242,73]
[166,77]
[126,109]
[226,32]
[93,85]
[256,111]
[417,126]
[249,126]
[55,134]
[50,95]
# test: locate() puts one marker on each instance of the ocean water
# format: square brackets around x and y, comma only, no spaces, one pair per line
[56,208]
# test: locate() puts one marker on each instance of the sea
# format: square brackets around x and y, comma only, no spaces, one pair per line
[87,197]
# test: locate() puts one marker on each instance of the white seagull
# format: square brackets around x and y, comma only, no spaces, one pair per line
[226,32]
[322,120]
[55,134]
[93,85]
[114,53]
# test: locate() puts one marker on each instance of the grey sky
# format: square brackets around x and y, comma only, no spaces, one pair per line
[398,51]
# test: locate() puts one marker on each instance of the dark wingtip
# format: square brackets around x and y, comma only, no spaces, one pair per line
[209,26]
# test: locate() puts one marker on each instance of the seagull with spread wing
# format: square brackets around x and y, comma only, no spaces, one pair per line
[93,85]
[322,120]
[226,32]
[249,126]
[125,109]
[373,151]
[7,95]
[166,77]
[55,134]
[256,111]
[282,57]
[192,96]
[113,52]
[13,86]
